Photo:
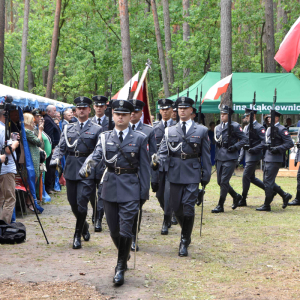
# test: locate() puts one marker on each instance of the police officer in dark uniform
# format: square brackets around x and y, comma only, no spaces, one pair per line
[126,179]
[137,124]
[186,157]
[162,189]
[226,157]
[78,140]
[274,158]
[101,119]
[252,155]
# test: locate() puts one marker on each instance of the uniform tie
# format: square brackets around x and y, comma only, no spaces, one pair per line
[166,124]
[133,127]
[81,126]
[184,127]
[121,136]
[99,121]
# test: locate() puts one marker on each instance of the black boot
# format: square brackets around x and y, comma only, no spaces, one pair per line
[236,198]
[173,220]
[124,249]
[243,201]
[220,207]
[78,230]
[85,232]
[266,206]
[166,224]
[296,201]
[286,198]
[179,220]
[186,232]
[98,225]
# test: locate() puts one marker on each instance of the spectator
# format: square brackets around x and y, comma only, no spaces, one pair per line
[34,143]
[16,127]
[152,119]
[38,119]
[74,117]
[53,131]
[56,121]
[7,175]
[288,123]
[58,116]
[211,132]
[67,117]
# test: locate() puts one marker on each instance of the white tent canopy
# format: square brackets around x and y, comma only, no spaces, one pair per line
[23,99]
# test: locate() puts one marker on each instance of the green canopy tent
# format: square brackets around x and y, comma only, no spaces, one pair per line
[244,85]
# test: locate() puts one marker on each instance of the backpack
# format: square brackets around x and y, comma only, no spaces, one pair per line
[12,233]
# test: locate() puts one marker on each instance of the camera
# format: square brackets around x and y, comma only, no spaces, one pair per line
[7,104]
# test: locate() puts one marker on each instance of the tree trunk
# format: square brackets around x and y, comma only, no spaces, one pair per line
[270,42]
[30,78]
[125,35]
[168,42]
[11,16]
[281,20]
[186,32]
[53,49]
[226,41]
[24,45]
[147,8]
[160,50]
[2,34]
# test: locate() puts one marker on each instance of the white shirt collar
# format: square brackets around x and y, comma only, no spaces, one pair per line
[188,123]
[168,122]
[136,125]
[102,118]
[125,132]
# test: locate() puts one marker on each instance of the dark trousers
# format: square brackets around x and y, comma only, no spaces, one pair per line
[135,225]
[270,172]
[225,170]
[298,180]
[78,193]
[120,217]
[183,198]
[249,177]
[49,175]
[163,193]
[100,205]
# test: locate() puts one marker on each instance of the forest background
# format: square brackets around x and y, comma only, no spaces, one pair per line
[85,38]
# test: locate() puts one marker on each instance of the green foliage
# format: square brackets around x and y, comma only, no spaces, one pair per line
[90,55]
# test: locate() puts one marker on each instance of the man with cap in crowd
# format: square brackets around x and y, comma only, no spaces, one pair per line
[78,140]
[186,157]
[126,179]
[162,188]
[252,155]
[228,143]
[174,113]
[137,124]
[100,106]
[194,115]
[274,158]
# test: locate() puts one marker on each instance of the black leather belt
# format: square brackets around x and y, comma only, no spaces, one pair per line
[78,154]
[186,156]
[120,171]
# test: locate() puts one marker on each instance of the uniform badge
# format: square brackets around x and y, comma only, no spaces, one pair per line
[132,154]
[241,129]
[69,139]
[99,98]
[263,131]
[134,102]
[286,133]
[195,145]
[81,99]
[164,101]
[182,99]
[121,103]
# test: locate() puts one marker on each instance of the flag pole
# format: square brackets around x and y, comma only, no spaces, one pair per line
[148,66]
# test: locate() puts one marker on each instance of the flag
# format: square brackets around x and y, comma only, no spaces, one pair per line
[143,96]
[122,94]
[29,163]
[289,49]
[218,89]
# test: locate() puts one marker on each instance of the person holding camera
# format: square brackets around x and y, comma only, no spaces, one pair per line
[7,175]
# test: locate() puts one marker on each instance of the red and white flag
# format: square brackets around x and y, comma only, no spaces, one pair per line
[289,49]
[143,96]
[218,89]
[122,94]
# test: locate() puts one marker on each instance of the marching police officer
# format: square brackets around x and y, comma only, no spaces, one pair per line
[186,157]
[229,141]
[126,179]
[137,124]
[296,201]
[162,189]
[78,140]
[252,155]
[274,158]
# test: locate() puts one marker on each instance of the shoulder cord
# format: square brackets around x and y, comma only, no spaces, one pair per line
[67,142]
[179,146]
[218,140]
[114,158]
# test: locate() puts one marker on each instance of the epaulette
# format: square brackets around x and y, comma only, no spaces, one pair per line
[96,124]
[70,124]
[140,132]
[147,125]
[172,125]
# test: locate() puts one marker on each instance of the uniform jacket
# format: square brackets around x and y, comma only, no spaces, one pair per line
[52,130]
[124,187]
[64,123]
[189,170]
[283,142]
[104,124]
[89,134]
[297,150]
[258,143]
[238,139]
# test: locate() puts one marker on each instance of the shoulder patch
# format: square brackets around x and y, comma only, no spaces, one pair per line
[241,129]
[263,130]
[286,133]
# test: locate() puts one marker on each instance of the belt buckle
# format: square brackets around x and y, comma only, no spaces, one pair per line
[76,153]
[183,156]
[118,170]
